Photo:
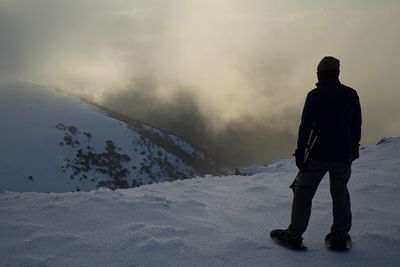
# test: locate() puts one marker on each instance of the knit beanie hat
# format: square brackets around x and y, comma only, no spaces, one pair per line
[328,63]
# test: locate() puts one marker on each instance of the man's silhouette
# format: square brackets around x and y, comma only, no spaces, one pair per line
[333,110]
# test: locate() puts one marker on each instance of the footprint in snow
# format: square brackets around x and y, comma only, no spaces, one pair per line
[156,237]
[258,188]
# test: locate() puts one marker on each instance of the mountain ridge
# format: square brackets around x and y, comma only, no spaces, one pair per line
[65,144]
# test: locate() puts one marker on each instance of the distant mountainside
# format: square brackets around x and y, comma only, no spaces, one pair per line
[54,143]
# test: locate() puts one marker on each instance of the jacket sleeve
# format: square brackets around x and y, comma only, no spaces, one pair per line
[356,122]
[307,120]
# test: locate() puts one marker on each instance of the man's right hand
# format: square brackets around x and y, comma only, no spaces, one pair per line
[299,159]
[355,152]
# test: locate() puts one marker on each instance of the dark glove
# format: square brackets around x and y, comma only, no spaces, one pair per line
[300,159]
[355,152]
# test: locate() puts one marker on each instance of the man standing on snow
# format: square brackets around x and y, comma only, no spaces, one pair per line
[333,111]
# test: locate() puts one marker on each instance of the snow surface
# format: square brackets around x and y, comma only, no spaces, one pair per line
[212,221]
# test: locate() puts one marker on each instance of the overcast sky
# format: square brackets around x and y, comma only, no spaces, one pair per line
[222,73]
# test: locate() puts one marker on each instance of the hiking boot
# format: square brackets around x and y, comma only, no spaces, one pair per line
[284,238]
[338,243]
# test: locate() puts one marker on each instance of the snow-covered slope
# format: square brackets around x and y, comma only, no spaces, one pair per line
[54,143]
[212,221]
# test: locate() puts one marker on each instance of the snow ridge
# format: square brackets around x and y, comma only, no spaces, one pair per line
[67,145]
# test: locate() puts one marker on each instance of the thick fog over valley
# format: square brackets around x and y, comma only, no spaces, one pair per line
[229,76]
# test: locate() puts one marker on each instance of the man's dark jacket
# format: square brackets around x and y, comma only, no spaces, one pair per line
[335,110]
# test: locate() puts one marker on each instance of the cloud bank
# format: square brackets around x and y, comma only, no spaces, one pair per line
[228,75]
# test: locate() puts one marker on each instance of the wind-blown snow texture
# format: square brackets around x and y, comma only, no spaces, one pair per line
[212,221]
